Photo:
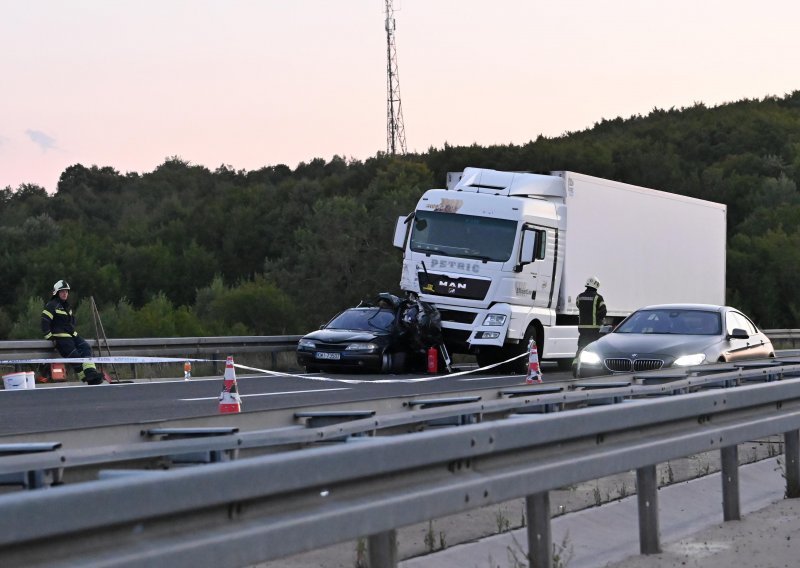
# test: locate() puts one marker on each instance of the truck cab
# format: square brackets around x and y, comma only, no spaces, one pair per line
[485,252]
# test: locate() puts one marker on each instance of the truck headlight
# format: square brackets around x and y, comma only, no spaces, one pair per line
[494,319]
[690,360]
[589,358]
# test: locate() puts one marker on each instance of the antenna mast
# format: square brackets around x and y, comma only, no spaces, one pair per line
[395,131]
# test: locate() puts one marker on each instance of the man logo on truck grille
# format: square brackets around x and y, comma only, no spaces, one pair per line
[442,285]
[452,285]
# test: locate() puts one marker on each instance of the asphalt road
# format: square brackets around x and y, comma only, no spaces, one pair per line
[72,406]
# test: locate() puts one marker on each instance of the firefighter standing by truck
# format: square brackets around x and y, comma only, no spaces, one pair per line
[58,326]
[591,311]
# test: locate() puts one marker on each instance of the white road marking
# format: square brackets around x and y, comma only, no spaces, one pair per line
[265,394]
[491,378]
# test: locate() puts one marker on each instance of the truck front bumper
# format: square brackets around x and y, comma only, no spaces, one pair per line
[474,328]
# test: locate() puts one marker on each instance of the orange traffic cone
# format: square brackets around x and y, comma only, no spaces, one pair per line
[229,400]
[534,372]
[187,370]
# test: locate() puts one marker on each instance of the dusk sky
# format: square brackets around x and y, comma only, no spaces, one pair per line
[252,83]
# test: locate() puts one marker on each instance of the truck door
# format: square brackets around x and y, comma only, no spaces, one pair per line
[535,265]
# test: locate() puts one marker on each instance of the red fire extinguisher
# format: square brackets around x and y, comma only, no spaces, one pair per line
[433,360]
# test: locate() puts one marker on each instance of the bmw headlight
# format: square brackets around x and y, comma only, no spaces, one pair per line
[362,347]
[306,344]
[589,358]
[494,319]
[690,360]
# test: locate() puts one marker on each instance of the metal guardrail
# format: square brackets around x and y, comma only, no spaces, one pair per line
[784,338]
[195,346]
[160,346]
[249,510]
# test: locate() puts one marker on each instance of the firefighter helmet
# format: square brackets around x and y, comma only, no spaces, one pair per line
[60,285]
[593,282]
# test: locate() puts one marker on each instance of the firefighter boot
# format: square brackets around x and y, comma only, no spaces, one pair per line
[93,377]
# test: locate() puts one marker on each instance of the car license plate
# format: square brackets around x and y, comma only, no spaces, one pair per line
[322,355]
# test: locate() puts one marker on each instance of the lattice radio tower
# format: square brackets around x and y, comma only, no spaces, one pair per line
[395,131]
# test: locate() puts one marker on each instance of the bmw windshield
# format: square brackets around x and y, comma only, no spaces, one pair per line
[466,236]
[674,321]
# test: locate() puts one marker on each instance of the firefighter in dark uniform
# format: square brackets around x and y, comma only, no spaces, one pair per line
[591,311]
[58,326]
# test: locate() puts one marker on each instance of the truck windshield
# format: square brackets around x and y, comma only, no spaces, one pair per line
[467,236]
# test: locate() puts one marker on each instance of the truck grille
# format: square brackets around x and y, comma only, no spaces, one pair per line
[457,316]
[454,287]
[455,336]
[628,365]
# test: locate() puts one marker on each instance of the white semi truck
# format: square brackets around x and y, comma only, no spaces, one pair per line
[503,255]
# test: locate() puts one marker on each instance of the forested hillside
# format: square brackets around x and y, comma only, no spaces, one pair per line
[185,251]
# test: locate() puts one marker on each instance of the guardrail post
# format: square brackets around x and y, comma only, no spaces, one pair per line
[730,483]
[647,495]
[382,549]
[540,538]
[791,442]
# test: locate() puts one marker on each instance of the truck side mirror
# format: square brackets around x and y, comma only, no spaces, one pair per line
[401,231]
[532,247]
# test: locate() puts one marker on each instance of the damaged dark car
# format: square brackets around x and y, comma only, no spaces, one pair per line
[387,335]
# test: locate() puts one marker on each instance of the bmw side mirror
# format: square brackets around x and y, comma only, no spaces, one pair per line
[738,333]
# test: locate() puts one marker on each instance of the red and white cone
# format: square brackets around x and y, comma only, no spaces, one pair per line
[534,372]
[229,399]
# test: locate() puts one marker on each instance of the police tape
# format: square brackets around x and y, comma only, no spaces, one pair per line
[425,379]
[120,360]
[152,360]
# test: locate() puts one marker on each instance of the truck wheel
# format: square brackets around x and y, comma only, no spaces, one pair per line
[519,365]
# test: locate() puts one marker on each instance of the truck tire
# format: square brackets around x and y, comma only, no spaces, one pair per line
[519,366]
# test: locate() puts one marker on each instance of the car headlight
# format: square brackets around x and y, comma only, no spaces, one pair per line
[689,360]
[589,358]
[306,344]
[362,347]
[494,319]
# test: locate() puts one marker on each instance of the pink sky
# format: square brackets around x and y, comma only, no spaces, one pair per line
[251,83]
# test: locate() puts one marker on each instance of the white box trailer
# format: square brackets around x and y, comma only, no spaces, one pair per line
[503,256]
[645,246]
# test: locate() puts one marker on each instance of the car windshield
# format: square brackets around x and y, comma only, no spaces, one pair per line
[672,321]
[366,319]
[466,236]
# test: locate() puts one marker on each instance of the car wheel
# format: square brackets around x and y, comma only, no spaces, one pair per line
[398,365]
[310,369]
[386,363]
